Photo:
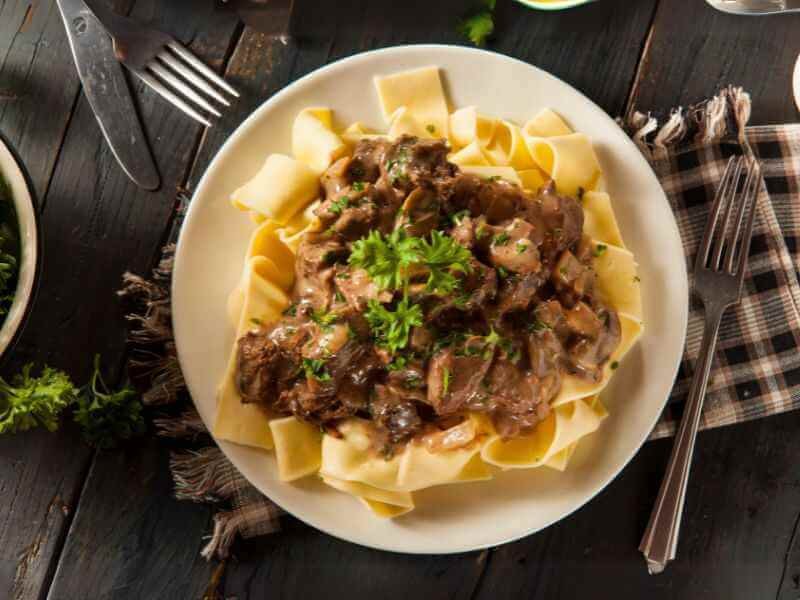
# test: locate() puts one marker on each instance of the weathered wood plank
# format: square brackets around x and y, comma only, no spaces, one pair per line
[38,84]
[40,473]
[695,50]
[742,502]
[97,224]
[279,566]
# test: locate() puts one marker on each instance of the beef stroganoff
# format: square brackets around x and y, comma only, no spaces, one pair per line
[421,305]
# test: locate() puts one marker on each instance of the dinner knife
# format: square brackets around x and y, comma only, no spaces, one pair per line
[106,88]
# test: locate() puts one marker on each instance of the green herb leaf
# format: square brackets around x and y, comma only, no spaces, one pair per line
[338,205]
[324,319]
[479,26]
[443,256]
[387,259]
[314,368]
[445,381]
[600,249]
[358,186]
[107,416]
[501,239]
[30,401]
[392,329]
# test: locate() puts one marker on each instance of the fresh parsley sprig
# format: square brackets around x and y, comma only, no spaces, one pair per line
[443,256]
[389,260]
[106,416]
[392,328]
[29,401]
[480,25]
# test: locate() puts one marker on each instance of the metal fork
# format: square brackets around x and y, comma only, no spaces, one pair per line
[164,64]
[718,275]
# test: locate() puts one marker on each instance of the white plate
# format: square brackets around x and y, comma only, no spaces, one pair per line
[465,516]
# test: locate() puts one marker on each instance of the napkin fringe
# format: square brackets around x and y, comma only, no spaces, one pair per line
[202,475]
[226,525]
[725,115]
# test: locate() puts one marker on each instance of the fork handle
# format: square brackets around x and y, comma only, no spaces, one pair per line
[660,539]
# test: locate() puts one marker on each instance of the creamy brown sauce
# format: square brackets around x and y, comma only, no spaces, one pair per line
[522,314]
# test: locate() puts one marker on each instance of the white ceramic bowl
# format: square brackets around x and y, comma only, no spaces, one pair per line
[29,248]
[462,517]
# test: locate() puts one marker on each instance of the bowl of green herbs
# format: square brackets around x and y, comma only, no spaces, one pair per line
[19,248]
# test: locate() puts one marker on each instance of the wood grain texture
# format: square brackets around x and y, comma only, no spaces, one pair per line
[696,50]
[129,539]
[38,84]
[96,224]
[40,473]
[742,501]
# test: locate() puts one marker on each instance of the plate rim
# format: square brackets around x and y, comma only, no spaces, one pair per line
[252,120]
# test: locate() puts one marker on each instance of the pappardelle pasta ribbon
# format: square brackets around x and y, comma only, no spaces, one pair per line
[282,198]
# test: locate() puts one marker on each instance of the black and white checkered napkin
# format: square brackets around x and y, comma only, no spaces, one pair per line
[757,365]
[756,369]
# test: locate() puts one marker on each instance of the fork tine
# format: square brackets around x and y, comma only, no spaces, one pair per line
[751,196]
[202,67]
[708,234]
[733,238]
[165,93]
[181,87]
[188,74]
[730,197]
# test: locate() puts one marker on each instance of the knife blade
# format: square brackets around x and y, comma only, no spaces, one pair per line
[106,88]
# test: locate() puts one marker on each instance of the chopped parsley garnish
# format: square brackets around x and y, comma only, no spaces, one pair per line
[538,325]
[501,239]
[480,232]
[290,310]
[314,368]
[392,328]
[339,296]
[324,318]
[457,217]
[614,365]
[600,249]
[338,205]
[358,186]
[502,272]
[521,247]
[445,381]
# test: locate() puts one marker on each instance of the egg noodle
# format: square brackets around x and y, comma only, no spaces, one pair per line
[281,200]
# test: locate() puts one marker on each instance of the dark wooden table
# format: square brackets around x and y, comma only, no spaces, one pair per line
[77,524]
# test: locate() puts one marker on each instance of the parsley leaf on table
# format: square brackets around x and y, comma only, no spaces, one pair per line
[393,328]
[107,416]
[30,401]
[479,25]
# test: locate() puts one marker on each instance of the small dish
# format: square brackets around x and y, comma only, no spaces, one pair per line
[29,260]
